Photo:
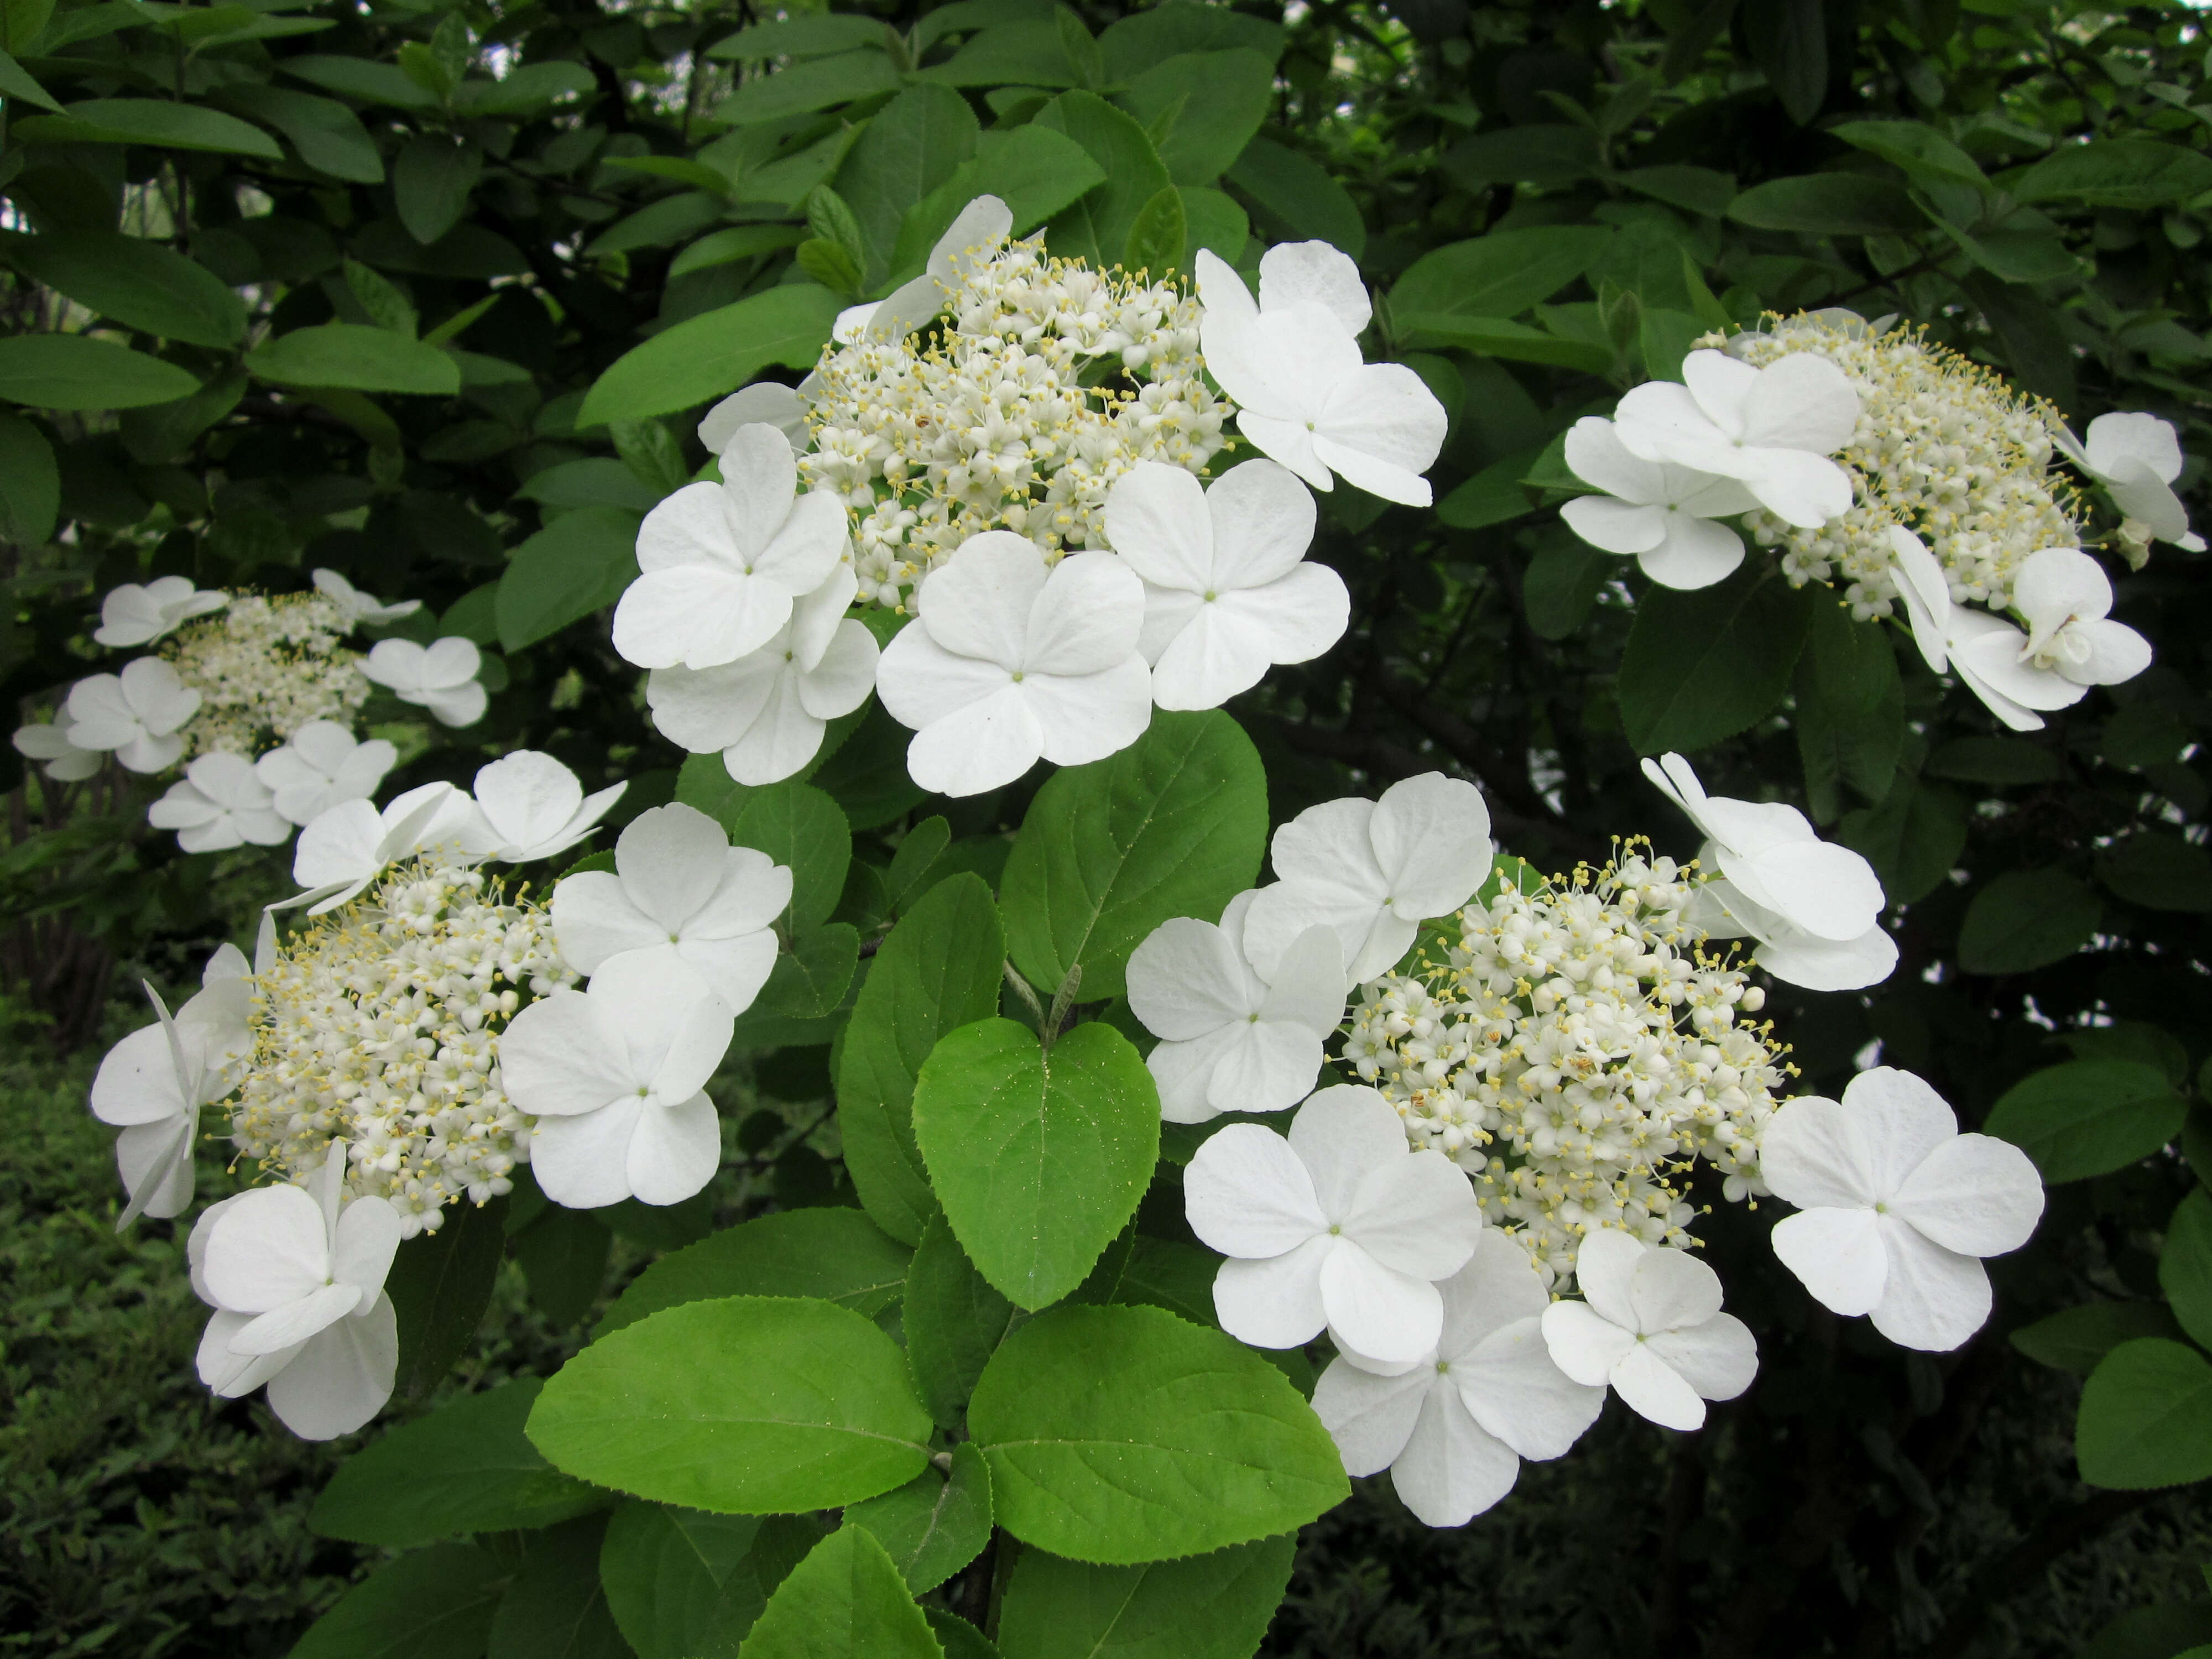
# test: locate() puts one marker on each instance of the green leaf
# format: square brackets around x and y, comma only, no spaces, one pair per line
[845,1600]
[1155,239]
[709,356]
[1028,51]
[2177,1630]
[1123,1435]
[818,83]
[1703,665]
[2184,1265]
[953,1319]
[1850,710]
[1561,584]
[563,1257]
[1142,39]
[936,1523]
[1174,825]
[18,85]
[2001,762]
[685,1585]
[2088,1117]
[359,78]
[919,849]
[1098,227]
[1301,192]
[1034,170]
[797,825]
[327,135]
[30,483]
[77,372]
[1788,41]
[910,147]
[2160,872]
[1547,153]
[737,242]
[2076,1338]
[556,1605]
[440,1284]
[1208,1607]
[1914,146]
[810,34]
[961,1639]
[1914,839]
[354,357]
[154,121]
[1500,275]
[747,1405]
[524,90]
[2131,1039]
[1212,220]
[2146,1418]
[2115,173]
[436,1603]
[1211,104]
[431,182]
[939,969]
[2026,919]
[135,283]
[594,481]
[1829,204]
[577,565]
[831,266]
[810,979]
[837,1254]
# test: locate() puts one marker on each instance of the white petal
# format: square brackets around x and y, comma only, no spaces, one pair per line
[233,1375]
[342,1378]
[982,746]
[1342,1135]
[155,1162]
[1280,364]
[1820,964]
[1594,455]
[922,682]
[764,403]
[1605,1272]
[983,222]
[1582,1344]
[1300,614]
[1216,654]
[1652,1389]
[670,860]
[1937,1298]
[804,555]
[1371,1417]
[1183,1072]
[1382,426]
[1827,891]
[1838,1255]
[582,1163]
[528,798]
[1248,1193]
[1854,1153]
[137,1081]
[2058,584]
[1188,978]
[1617,526]
[295,1321]
[1800,402]
[708,710]
[1263,1068]
[675,1151]
[843,675]
[593,919]
[1274,1303]
[1388,1315]
[754,890]
[1289,442]
[677,1029]
[1081,719]
[1157,519]
[1692,552]
[1973,1194]
[2122,436]
[1723,388]
[564,1056]
[1085,618]
[1431,839]
[368,1235]
[1927,595]
[1220,290]
[1510,1386]
[270,1249]
[735,969]
[1417,1215]
[1499,1286]
[1671,1289]
[1452,1468]
[979,602]
[1313,273]
[1263,521]
[1306,987]
[1803,489]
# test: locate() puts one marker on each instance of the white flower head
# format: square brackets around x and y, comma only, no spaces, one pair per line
[764,403]
[722,564]
[1374,871]
[679,891]
[532,806]
[616,1078]
[1896,1208]
[137,714]
[767,711]
[1233,1039]
[1228,590]
[221,802]
[1452,1429]
[1009,661]
[1341,1226]
[441,677]
[297,1284]
[1660,513]
[66,762]
[131,614]
[1988,653]
[2136,458]
[321,765]
[1650,1327]
[152,1084]
[357,607]
[1770,428]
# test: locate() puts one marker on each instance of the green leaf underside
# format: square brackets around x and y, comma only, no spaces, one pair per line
[2146,1417]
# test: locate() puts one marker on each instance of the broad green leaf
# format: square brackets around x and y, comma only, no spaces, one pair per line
[919,850]
[594,481]
[910,146]
[30,483]
[1039,1158]
[845,1600]
[796,824]
[1096,227]
[2160,872]
[1701,666]
[1123,1435]
[1155,239]
[1156,1273]
[436,1603]
[1207,1606]
[809,980]
[1547,153]
[1562,581]
[746,1406]
[1028,51]
[936,1523]
[153,121]
[811,35]
[2076,1338]
[20,86]
[837,1254]
[354,357]
[661,224]
[1850,710]
[685,1585]
[866,775]
[431,182]
[2146,1418]
[709,356]
[2088,1117]
[2026,919]
[1916,147]
[1701,190]
[134,282]
[1034,170]
[2115,173]
[2184,1265]
[2001,762]
[1829,204]
[737,242]
[953,1319]
[2174,1630]
[440,1284]
[1212,220]
[556,1605]
[1302,193]
[818,83]
[1500,275]
[77,372]
[1174,825]
[1490,337]
[577,565]
[1788,41]
[524,90]
[563,1257]
[361,78]
[961,1639]
[2131,1039]
[328,137]
[1914,839]
[1143,38]
[1202,108]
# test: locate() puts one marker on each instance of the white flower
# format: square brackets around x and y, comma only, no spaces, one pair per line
[1374,871]
[1009,661]
[2066,599]
[679,891]
[348,846]
[1896,1207]
[2136,458]
[1788,952]
[131,614]
[219,803]
[1650,1325]
[616,1078]
[1663,514]
[441,677]
[66,762]
[532,807]
[766,711]
[722,563]
[1233,1039]
[355,607]
[1305,395]
[297,1284]
[136,713]
[982,224]
[1314,273]
[1227,589]
[1452,1429]
[322,765]
[1343,1225]
[1773,429]
[1987,652]
[764,403]
[152,1084]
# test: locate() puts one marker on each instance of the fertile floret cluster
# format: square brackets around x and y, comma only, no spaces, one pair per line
[265,665]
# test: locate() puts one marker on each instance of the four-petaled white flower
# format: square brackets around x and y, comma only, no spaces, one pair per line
[616,1078]
[1650,1325]
[531,807]
[137,714]
[1770,428]
[152,1084]
[764,403]
[131,614]
[1374,871]
[679,891]
[1988,653]
[1661,513]
[441,677]
[1228,591]
[1342,1227]
[49,741]
[1233,1039]
[2066,599]
[1305,394]
[767,711]
[322,764]
[357,607]
[1009,661]
[2136,458]
[1896,1208]
[221,802]
[297,1285]
[980,225]
[1453,1428]
[349,845]
[1787,951]
[722,563]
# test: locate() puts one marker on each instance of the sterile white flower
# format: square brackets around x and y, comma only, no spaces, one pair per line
[2066,599]
[1314,273]
[1650,1326]
[297,1285]
[983,223]
[357,607]
[131,614]
[136,713]
[1788,952]
[221,802]
[1305,395]
[1341,1225]
[1452,1430]
[764,403]
[532,806]
[1374,871]
[1228,590]
[616,1078]
[1009,661]
[441,677]
[1661,513]
[322,765]
[2136,458]
[1232,1039]
[1772,428]
[1988,653]
[722,563]
[1896,1207]
[152,1084]
[348,846]
[679,891]
[766,712]
[49,741]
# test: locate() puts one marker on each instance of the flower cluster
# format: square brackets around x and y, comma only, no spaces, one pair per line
[265,666]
